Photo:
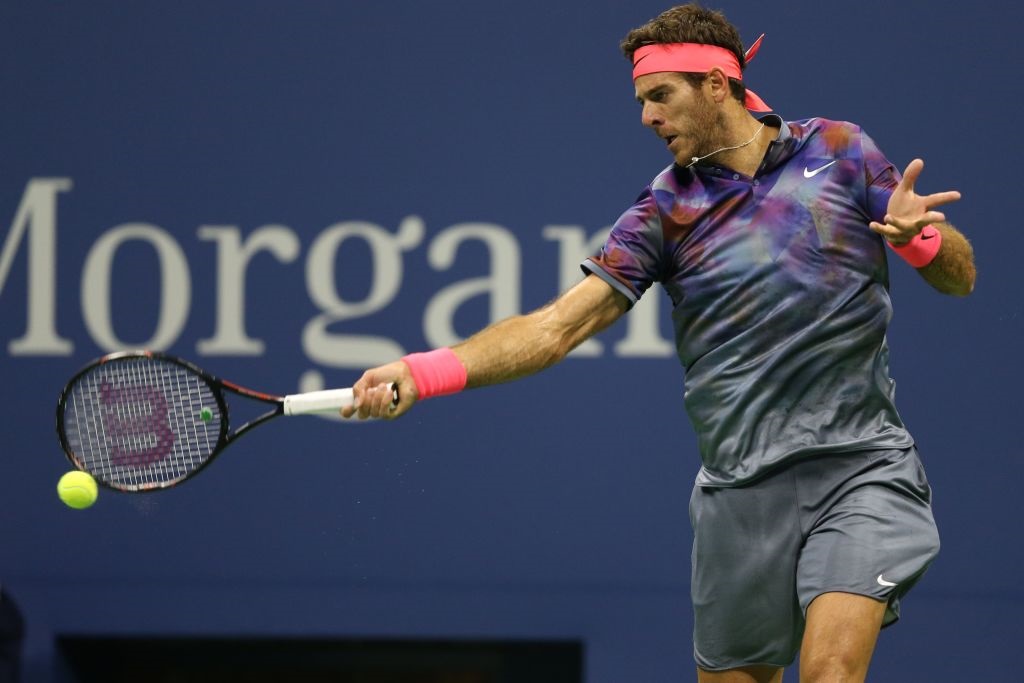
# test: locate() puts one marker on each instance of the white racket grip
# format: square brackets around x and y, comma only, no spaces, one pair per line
[326,401]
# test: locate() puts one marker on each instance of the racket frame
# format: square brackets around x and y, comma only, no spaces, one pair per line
[217,387]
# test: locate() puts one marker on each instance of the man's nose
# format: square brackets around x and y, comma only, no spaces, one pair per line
[649,115]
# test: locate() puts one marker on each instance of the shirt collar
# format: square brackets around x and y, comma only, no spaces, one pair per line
[779,148]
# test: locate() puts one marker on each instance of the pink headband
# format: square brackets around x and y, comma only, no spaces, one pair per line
[696,58]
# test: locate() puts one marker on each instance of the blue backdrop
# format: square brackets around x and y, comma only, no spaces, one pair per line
[287,192]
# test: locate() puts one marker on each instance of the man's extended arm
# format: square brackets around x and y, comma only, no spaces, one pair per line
[507,350]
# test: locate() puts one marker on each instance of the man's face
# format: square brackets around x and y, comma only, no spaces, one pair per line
[682,115]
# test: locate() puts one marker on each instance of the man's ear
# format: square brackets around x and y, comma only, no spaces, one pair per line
[717,84]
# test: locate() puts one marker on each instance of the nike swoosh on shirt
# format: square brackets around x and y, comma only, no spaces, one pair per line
[883,582]
[808,173]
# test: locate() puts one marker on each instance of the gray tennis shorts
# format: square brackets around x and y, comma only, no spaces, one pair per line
[855,523]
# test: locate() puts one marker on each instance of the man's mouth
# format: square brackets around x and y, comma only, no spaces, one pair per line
[669,140]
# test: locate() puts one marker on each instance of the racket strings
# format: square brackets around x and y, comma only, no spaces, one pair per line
[139,423]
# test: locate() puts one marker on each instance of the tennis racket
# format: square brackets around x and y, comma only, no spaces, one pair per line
[141,420]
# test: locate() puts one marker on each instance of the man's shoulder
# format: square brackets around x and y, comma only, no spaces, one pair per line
[818,125]
[670,179]
[827,137]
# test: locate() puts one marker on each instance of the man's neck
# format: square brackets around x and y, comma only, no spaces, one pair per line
[747,158]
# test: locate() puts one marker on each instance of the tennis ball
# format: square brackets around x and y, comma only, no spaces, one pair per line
[205,414]
[77,489]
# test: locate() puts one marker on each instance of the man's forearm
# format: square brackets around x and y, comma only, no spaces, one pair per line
[525,344]
[952,271]
[510,349]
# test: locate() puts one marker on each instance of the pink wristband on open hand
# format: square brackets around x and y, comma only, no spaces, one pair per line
[436,372]
[921,250]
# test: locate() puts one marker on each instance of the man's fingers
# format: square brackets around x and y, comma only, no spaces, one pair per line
[374,394]
[911,173]
[888,232]
[915,224]
[379,400]
[940,198]
[372,400]
[899,231]
[359,396]
[910,177]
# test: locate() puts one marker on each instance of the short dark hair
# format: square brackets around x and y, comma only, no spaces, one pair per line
[690,23]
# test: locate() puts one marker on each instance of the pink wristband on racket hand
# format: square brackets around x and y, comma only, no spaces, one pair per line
[921,250]
[436,372]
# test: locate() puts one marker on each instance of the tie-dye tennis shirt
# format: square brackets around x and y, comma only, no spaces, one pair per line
[780,297]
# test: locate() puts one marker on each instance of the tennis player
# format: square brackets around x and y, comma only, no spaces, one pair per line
[811,510]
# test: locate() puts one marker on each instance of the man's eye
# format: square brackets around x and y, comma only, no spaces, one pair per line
[657,97]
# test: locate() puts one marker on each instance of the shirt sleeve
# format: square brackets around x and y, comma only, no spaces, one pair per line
[630,260]
[880,179]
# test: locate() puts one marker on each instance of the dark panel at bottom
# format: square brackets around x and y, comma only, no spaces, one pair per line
[268,660]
